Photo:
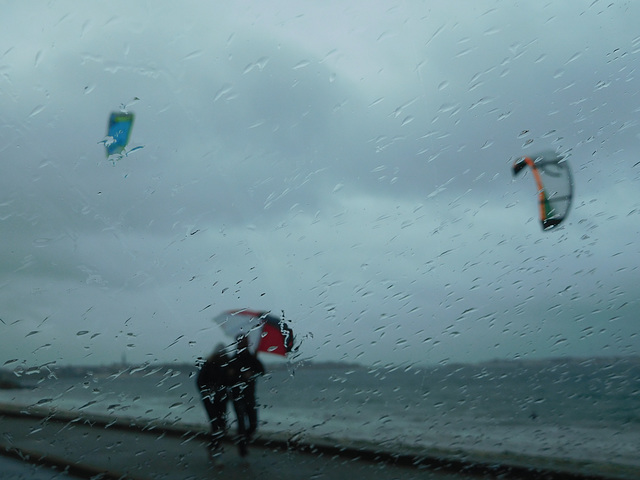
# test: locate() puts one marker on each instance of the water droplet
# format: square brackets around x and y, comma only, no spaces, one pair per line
[36,111]
[192,55]
[224,90]
[301,64]
[574,57]
[41,242]
[38,58]
[406,121]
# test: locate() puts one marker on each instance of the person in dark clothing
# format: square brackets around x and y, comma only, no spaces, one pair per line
[244,369]
[213,380]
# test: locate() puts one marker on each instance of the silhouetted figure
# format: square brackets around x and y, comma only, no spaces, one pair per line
[244,369]
[213,381]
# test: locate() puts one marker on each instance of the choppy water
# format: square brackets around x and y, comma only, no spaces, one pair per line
[577,410]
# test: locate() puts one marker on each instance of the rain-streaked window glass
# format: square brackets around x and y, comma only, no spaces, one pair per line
[324,238]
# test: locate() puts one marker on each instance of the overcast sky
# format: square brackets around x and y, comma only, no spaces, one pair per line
[347,163]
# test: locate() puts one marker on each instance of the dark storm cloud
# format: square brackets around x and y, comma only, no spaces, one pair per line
[347,164]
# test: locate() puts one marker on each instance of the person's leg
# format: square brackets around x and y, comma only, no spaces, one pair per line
[215,435]
[240,408]
[219,408]
[251,408]
[252,417]
[211,410]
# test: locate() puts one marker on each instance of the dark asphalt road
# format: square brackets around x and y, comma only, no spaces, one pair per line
[94,446]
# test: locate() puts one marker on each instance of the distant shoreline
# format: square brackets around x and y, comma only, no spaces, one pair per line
[21,377]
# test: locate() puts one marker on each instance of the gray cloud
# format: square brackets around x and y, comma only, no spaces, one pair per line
[348,165]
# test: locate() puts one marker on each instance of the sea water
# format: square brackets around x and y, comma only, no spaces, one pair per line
[576,410]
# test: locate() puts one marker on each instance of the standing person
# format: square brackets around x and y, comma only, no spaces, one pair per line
[213,381]
[244,369]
